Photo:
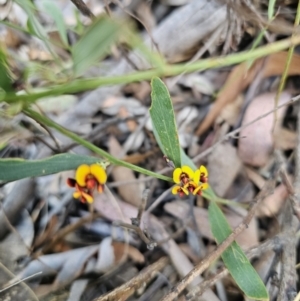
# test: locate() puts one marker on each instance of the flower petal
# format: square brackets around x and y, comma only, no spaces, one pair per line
[87,197]
[100,188]
[204,186]
[76,195]
[190,183]
[185,190]
[197,176]
[81,174]
[99,173]
[187,170]
[175,189]
[71,182]
[176,175]
[200,187]
[203,171]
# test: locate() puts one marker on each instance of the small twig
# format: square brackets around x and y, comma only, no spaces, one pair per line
[276,244]
[200,245]
[287,66]
[136,221]
[66,230]
[174,235]
[140,21]
[286,181]
[158,200]
[82,7]
[127,289]
[288,279]
[206,262]
[19,281]
[150,244]
[45,127]
[54,150]
[24,286]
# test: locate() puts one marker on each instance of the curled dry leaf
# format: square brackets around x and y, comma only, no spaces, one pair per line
[223,165]
[241,76]
[256,140]
[285,139]
[111,253]
[131,193]
[112,106]
[68,265]
[114,210]
[198,82]
[231,112]
[273,203]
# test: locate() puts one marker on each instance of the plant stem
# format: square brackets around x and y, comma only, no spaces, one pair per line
[46,121]
[81,85]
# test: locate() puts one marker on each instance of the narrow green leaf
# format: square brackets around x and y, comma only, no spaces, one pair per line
[34,26]
[234,258]
[163,120]
[5,78]
[15,169]
[271,9]
[94,44]
[51,8]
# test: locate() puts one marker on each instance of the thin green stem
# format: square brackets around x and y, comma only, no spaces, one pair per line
[48,122]
[287,65]
[166,70]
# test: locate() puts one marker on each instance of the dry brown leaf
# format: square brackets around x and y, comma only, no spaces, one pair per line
[181,209]
[145,13]
[186,249]
[120,249]
[139,90]
[112,210]
[230,113]
[131,192]
[223,165]
[240,77]
[131,124]
[256,141]
[68,264]
[285,139]
[272,204]
[138,158]
[255,177]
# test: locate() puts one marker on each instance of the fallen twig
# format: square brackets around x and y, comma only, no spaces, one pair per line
[276,243]
[127,289]
[83,8]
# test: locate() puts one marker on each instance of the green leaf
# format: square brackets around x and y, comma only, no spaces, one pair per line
[234,258]
[271,9]
[15,169]
[163,120]
[5,78]
[51,8]
[34,26]
[94,44]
